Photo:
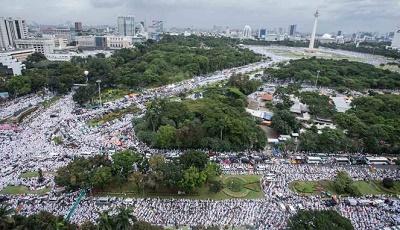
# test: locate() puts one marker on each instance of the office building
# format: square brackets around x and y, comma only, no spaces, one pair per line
[103,42]
[262,33]
[339,33]
[11,62]
[64,33]
[396,40]
[156,29]
[11,30]
[78,26]
[118,42]
[292,30]
[40,45]
[126,25]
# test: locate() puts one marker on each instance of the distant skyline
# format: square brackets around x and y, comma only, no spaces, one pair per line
[346,15]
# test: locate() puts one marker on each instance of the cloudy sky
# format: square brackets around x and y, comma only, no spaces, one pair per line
[346,15]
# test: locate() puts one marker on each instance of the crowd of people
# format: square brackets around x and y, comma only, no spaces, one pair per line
[33,147]
[270,212]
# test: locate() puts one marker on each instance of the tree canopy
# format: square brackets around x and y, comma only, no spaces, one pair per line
[373,123]
[174,58]
[325,219]
[335,73]
[218,121]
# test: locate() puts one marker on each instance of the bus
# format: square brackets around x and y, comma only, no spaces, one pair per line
[377,160]
[342,160]
[313,160]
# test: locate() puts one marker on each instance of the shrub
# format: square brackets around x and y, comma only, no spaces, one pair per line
[216,186]
[388,182]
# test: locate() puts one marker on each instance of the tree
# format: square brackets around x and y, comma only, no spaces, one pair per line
[388,182]
[326,219]
[344,184]
[193,158]
[6,219]
[212,171]
[36,57]
[192,179]
[165,136]
[124,219]
[243,83]
[84,94]
[284,122]
[19,85]
[40,176]
[216,186]
[123,162]
[105,221]
[101,177]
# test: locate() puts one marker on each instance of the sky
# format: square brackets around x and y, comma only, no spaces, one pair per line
[346,15]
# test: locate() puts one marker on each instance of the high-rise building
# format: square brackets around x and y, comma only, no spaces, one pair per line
[126,25]
[10,30]
[396,40]
[78,26]
[156,29]
[262,33]
[339,33]
[292,30]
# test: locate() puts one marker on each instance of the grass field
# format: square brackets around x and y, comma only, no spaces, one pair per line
[235,187]
[17,190]
[365,187]
[47,103]
[112,94]
[30,174]
[112,116]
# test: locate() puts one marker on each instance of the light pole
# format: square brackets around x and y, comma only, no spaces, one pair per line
[86,75]
[98,82]
[316,81]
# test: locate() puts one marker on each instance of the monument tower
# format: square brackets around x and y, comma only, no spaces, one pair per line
[312,40]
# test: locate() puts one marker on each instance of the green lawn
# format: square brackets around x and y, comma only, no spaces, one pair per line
[112,116]
[47,103]
[17,190]
[308,187]
[30,174]
[365,187]
[246,187]
[112,94]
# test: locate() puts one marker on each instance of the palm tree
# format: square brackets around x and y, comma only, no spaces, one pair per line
[6,218]
[105,221]
[124,219]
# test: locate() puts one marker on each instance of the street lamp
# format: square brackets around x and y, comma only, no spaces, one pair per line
[316,81]
[86,75]
[98,82]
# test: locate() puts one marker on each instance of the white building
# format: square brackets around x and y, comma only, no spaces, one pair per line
[126,25]
[59,42]
[11,61]
[247,32]
[104,42]
[85,41]
[326,38]
[64,33]
[119,42]
[396,40]
[342,103]
[67,56]
[41,45]
[10,30]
